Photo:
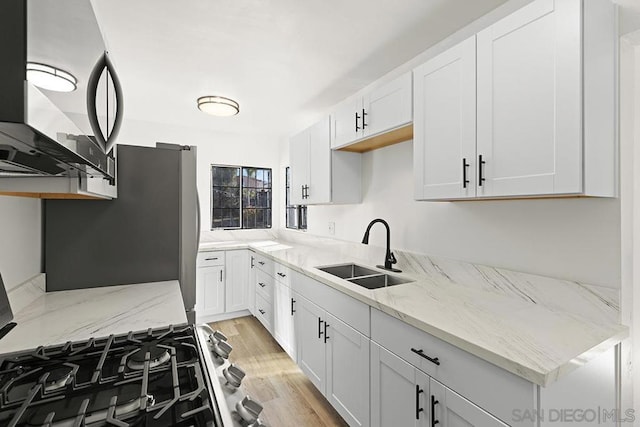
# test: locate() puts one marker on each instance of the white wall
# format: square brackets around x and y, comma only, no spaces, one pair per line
[213,148]
[21,239]
[576,239]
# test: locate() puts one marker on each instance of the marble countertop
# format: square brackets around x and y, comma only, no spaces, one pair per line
[57,317]
[536,327]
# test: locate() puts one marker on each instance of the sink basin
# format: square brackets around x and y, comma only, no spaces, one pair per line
[378,281]
[363,276]
[348,271]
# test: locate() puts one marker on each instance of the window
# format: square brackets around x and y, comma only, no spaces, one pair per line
[240,197]
[296,215]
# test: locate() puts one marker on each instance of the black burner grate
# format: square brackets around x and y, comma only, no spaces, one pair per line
[149,378]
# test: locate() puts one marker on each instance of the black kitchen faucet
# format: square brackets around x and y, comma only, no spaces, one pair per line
[389,258]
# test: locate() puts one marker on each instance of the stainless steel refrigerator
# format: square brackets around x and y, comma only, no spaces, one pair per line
[150,233]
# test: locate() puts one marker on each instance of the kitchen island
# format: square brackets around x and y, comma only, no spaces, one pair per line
[57,317]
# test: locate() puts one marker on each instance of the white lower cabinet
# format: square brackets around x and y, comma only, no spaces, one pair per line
[335,357]
[399,392]
[210,292]
[284,310]
[222,284]
[405,396]
[452,410]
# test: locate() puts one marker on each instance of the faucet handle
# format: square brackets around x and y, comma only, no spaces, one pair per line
[392,258]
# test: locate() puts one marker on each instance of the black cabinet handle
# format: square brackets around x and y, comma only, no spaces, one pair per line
[465,165]
[306,192]
[418,408]
[434,402]
[261,311]
[261,262]
[262,285]
[281,274]
[481,164]
[211,259]
[430,359]
[302,191]
[292,303]
[326,337]
[220,276]
[252,262]
[357,118]
[364,114]
[320,332]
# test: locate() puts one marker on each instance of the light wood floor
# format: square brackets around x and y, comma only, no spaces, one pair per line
[288,397]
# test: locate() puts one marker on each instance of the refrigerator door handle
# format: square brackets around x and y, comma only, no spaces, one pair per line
[198,220]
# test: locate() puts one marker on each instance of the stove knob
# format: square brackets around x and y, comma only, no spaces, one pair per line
[222,349]
[249,409]
[216,337]
[234,375]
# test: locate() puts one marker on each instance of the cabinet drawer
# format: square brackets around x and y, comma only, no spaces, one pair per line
[351,311]
[264,285]
[208,259]
[264,312]
[463,372]
[282,274]
[262,263]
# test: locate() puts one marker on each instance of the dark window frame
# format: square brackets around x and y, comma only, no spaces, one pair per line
[253,204]
[299,212]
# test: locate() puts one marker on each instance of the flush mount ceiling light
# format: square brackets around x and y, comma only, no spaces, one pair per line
[50,78]
[218,106]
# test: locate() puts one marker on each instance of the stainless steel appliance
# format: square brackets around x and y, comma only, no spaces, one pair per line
[64,136]
[160,377]
[148,234]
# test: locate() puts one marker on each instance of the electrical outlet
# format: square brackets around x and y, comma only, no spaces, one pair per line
[332,228]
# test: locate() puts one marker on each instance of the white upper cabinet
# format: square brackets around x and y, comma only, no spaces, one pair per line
[380,110]
[544,107]
[320,175]
[529,101]
[444,128]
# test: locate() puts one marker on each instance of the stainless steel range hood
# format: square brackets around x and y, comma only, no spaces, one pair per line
[43,152]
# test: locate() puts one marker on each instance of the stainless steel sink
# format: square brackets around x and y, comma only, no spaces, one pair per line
[348,271]
[378,281]
[363,276]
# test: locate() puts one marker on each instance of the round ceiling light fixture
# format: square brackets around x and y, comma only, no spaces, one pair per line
[50,78]
[218,106]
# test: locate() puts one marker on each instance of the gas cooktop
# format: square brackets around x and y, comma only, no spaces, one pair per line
[149,378]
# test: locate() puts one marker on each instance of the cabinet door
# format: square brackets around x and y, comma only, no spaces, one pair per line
[529,101]
[211,280]
[444,142]
[283,319]
[347,355]
[299,166]
[399,392]
[237,280]
[309,326]
[319,190]
[388,106]
[345,126]
[452,410]
[251,292]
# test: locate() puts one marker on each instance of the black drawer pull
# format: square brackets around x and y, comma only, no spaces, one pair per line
[281,274]
[430,359]
[320,322]
[418,408]
[211,259]
[261,262]
[261,311]
[326,337]
[292,303]
[262,285]
[434,402]
[252,262]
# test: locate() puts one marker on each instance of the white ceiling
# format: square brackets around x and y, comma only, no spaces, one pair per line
[280,59]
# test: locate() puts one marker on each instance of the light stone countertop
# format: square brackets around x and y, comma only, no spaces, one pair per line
[57,317]
[536,327]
